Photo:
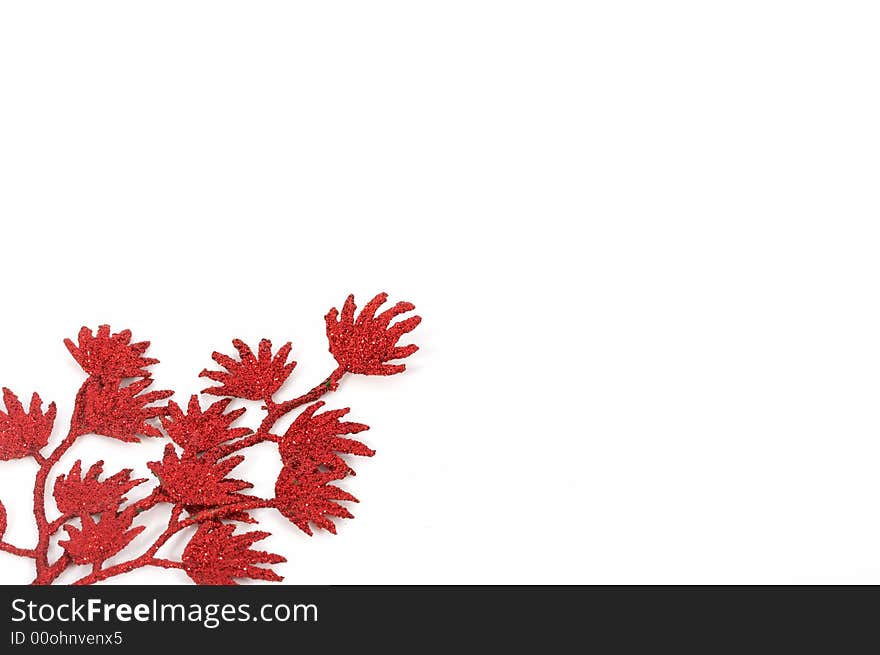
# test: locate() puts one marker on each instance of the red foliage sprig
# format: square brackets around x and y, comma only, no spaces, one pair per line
[193,476]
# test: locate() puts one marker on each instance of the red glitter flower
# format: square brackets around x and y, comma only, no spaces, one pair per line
[76,494]
[216,556]
[122,412]
[316,438]
[110,357]
[97,541]
[303,495]
[196,430]
[192,480]
[24,433]
[253,378]
[366,345]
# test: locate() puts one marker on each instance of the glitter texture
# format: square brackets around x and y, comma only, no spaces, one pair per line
[194,480]
[253,378]
[366,345]
[216,556]
[197,431]
[193,476]
[24,433]
[315,439]
[76,494]
[99,540]
[110,358]
[303,495]
[122,412]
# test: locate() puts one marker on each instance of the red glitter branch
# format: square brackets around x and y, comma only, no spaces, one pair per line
[204,448]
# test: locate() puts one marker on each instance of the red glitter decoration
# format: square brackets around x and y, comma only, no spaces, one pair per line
[97,541]
[315,438]
[110,357]
[76,495]
[116,400]
[366,345]
[24,433]
[122,412]
[216,556]
[304,496]
[197,431]
[253,378]
[193,480]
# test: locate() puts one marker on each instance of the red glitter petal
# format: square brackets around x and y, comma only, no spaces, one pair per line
[366,345]
[216,556]
[76,494]
[110,357]
[253,378]
[196,430]
[304,496]
[24,433]
[192,480]
[122,412]
[98,541]
[315,438]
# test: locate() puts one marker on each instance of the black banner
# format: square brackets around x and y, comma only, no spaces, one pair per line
[418,618]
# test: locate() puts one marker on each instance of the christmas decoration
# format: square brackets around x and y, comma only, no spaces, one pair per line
[195,475]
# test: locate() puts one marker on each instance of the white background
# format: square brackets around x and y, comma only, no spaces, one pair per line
[643,237]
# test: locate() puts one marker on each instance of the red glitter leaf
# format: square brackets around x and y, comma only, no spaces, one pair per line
[254,377]
[196,430]
[76,494]
[216,556]
[2,520]
[110,357]
[201,481]
[97,541]
[24,433]
[315,438]
[122,412]
[366,345]
[303,495]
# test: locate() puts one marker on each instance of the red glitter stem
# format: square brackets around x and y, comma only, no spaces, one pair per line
[277,410]
[55,525]
[247,442]
[44,529]
[15,550]
[45,573]
[53,571]
[149,502]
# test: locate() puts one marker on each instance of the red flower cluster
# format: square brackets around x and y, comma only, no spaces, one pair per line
[193,476]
